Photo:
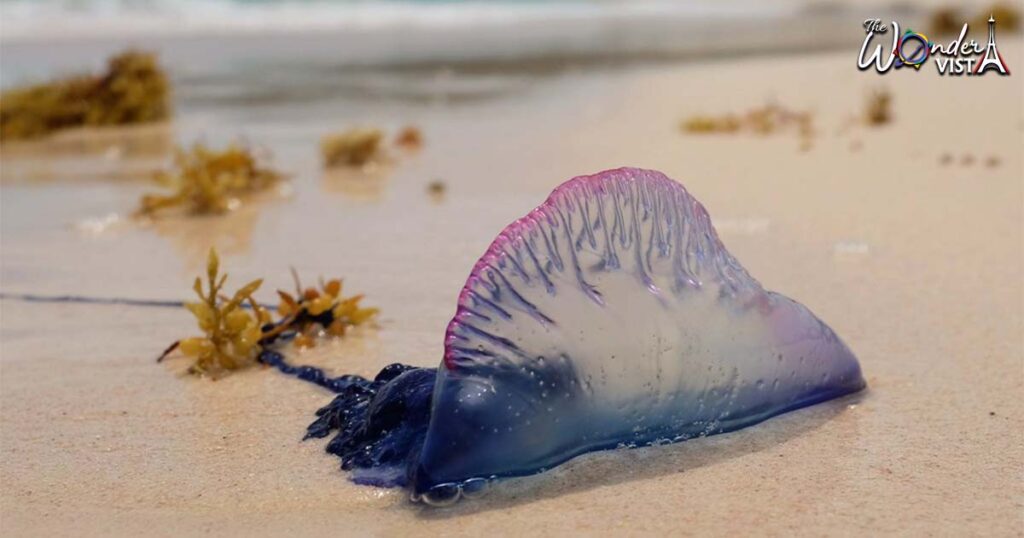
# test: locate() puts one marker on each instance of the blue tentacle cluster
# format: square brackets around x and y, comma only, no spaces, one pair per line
[380,423]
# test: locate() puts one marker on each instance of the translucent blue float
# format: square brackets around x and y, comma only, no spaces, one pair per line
[610,316]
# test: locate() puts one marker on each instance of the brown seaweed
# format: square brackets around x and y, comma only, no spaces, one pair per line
[878,108]
[238,331]
[209,181]
[410,137]
[354,147]
[764,120]
[133,90]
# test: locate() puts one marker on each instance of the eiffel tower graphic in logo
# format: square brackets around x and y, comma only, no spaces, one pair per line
[992,58]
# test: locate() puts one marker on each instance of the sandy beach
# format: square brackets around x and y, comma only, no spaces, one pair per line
[908,239]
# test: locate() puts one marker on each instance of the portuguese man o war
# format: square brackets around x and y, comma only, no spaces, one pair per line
[610,316]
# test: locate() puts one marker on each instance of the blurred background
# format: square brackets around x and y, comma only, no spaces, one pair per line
[342,56]
[374,51]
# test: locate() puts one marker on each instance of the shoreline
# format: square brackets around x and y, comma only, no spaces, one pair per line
[612,34]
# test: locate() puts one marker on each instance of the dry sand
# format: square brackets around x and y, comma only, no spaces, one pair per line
[916,263]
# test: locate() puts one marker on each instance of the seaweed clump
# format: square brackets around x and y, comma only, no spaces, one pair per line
[945,21]
[764,120]
[1006,14]
[878,109]
[949,20]
[208,181]
[354,147]
[313,311]
[239,332]
[410,137]
[134,89]
[437,188]
[231,333]
[361,146]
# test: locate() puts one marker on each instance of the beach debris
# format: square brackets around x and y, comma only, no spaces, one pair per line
[133,90]
[728,123]
[946,158]
[436,188]
[231,333]
[207,181]
[354,147]
[878,108]
[362,147]
[764,120]
[409,137]
[312,312]
[993,161]
[948,20]
[238,329]
[1006,14]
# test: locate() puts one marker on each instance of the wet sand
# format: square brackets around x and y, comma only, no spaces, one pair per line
[916,262]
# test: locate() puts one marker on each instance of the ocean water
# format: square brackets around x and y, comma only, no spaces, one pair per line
[64,19]
[199,37]
[330,55]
